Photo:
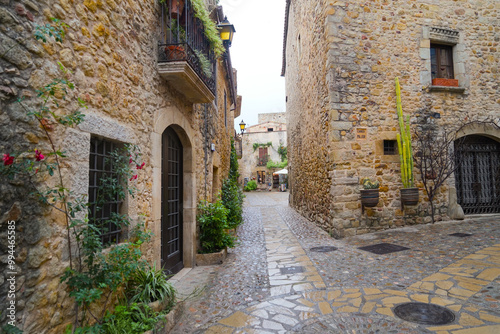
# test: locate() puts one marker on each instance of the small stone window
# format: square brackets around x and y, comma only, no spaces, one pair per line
[441,61]
[104,205]
[390,147]
[270,129]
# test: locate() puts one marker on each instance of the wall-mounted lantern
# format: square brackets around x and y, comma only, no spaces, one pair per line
[226,31]
[242,126]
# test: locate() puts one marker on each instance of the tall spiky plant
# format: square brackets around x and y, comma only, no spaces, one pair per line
[404,143]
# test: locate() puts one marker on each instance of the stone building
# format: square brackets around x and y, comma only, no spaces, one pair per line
[260,144]
[340,61]
[178,109]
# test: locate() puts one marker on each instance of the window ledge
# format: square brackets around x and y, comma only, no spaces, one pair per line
[459,90]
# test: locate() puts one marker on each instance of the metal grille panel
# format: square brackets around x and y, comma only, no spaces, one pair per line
[171,227]
[478,175]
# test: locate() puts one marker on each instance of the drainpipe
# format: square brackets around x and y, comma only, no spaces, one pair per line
[205,148]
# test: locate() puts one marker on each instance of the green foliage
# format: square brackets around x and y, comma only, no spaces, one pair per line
[251,185]
[404,143]
[283,152]
[257,145]
[234,174]
[9,329]
[212,219]
[210,31]
[272,164]
[231,194]
[56,30]
[369,184]
[205,64]
[150,284]
[232,199]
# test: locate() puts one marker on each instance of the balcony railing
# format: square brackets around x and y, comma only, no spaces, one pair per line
[183,41]
[263,161]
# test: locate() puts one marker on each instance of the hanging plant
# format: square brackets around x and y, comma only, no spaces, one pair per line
[257,145]
[211,31]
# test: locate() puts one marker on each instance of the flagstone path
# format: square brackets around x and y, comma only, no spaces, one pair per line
[273,282]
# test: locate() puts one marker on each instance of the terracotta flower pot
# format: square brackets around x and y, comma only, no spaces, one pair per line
[175,52]
[445,82]
[177,8]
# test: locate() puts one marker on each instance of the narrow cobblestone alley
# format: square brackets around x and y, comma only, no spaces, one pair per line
[288,276]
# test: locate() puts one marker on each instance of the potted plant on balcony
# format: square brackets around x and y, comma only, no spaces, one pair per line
[205,64]
[176,51]
[409,193]
[369,193]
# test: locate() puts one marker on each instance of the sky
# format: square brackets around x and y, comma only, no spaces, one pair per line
[256,53]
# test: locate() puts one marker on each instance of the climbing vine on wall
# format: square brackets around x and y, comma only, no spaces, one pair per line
[257,145]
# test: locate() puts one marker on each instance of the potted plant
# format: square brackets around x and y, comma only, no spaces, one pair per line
[176,51]
[409,193]
[214,235]
[369,193]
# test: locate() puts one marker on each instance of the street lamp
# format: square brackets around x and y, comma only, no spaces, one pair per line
[226,31]
[242,126]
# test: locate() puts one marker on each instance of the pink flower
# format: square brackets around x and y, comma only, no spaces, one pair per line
[7,159]
[133,177]
[39,156]
[130,161]
[141,166]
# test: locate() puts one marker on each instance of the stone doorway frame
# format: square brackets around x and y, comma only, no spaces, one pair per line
[174,118]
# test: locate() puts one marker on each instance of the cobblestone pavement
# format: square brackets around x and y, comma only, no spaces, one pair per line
[276,280]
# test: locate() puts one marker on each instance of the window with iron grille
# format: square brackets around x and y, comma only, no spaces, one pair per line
[442,61]
[104,200]
[390,147]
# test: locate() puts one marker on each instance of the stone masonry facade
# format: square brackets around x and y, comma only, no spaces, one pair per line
[111,50]
[341,59]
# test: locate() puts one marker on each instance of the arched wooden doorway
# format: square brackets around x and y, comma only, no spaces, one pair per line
[171,202]
[477,178]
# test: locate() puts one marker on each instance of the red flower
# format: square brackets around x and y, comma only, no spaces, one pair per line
[141,166]
[39,156]
[133,177]
[7,159]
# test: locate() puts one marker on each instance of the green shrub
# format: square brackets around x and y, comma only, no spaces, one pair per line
[212,218]
[232,198]
[251,185]
[150,285]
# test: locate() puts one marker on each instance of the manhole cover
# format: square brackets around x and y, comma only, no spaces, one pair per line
[323,249]
[460,235]
[292,270]
[424,314]
[383,248]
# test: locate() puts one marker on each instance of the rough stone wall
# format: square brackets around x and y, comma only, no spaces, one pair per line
[367,45]
[110,48]
[308,109]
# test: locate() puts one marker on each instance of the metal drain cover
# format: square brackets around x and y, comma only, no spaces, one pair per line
[460,235]
[383,248]
[292,270]
[424,314]
[323,249]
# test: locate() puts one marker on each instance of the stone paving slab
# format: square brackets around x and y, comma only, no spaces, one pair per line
[347,290]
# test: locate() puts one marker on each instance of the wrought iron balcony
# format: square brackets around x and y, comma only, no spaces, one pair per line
[185,58]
